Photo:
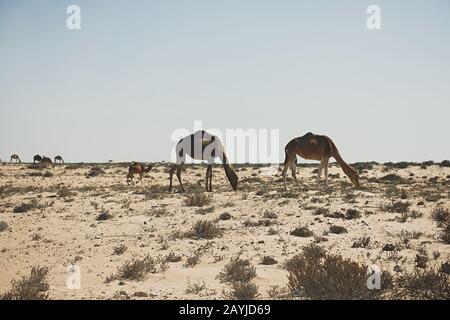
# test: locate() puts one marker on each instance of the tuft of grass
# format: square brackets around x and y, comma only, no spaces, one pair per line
[198,200]
[237,270]
[120,249]
[134,269]
[204,229]
[32,287]
[302,231]
[396,206]
[193,260]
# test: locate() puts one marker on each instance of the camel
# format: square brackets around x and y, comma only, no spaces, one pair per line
[315,147]
[137,168]
[47,161]
[37,158]
[201,145]
[16,158]
[59,158]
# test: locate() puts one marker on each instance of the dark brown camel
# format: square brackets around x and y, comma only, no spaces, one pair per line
[202,146]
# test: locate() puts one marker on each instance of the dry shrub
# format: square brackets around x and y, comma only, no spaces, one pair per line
[135,269]
[94,172]
[198,200]
[120,249]
[32,287]
[24,207]
[396,206]
[441,216]
[237,270]
[267,261]
[204,229]
[3,226]
[302,232]
[315,274]
[242,291]
[423,284]
[104,216]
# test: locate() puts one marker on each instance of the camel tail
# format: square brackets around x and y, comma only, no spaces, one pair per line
[230,173]
[349,171]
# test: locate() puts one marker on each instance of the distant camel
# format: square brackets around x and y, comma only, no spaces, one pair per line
[202,146]
[47,161]
[60,159]
[315,147]
[37,158]
[16,158]
[137,168]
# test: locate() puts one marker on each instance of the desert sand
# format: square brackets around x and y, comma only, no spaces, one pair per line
[62,225]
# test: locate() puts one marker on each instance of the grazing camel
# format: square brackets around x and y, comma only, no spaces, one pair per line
[202,146]
[47,161]
[37,158]
[59,158]
[16,158]
[137,168]
[315,147]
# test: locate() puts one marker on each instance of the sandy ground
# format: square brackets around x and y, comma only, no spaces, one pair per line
[63,228]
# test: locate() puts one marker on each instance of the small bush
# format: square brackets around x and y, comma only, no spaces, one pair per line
[120,249]
[352,214]
[24,207]
[237,270]
[441,216]
[324,276]
[302,232]
[3,226]
[104,216]
[424,284]
[134,269]
[242,291]
[396,206]
[337,229]
[267,261]
[198,200]
[225,216]
[32,287]
[204,229]
[445,163]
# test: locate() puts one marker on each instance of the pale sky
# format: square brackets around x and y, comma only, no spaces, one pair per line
[139,70]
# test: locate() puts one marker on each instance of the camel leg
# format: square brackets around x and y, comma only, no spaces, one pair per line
[210,179]
[171,171]
[319,171]
[325,166]
[286,165]
[207,178]
[179,177]
[294,173]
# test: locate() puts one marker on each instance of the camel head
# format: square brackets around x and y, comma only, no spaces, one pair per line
[232,176]
[354,177]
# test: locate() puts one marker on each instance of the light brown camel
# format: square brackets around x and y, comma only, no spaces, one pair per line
[315,147]
[202,146]
[59,158]
[47,161]
[137,168]
[16,158]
